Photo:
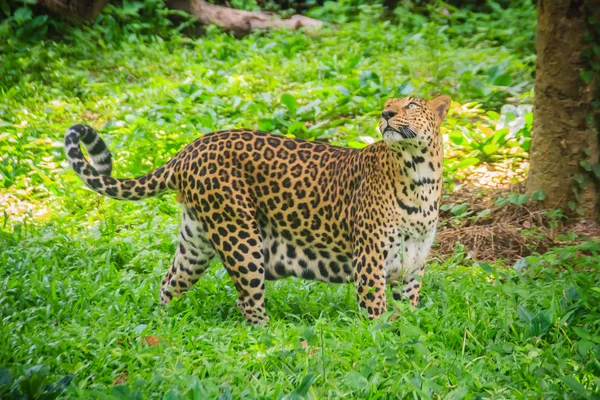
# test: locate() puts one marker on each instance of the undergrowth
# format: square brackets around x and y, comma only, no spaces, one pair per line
[79,274]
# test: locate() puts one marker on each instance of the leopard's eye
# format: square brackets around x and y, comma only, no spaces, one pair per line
[410,106]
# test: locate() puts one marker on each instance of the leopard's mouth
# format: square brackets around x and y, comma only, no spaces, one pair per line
[403,130]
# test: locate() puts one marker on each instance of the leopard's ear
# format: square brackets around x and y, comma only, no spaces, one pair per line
[440,105]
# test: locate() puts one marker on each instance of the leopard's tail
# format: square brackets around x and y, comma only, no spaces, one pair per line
[97,176]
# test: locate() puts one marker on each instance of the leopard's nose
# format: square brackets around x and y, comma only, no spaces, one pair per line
[387,114]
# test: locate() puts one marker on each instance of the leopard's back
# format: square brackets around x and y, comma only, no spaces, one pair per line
[299,192]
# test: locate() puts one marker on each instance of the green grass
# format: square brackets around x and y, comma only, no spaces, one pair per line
[79,274]
[82,303]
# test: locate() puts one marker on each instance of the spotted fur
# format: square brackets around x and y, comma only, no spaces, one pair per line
[271,207]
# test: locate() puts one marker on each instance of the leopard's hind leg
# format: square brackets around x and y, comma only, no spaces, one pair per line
[192,258]
[244,263]
[237,240]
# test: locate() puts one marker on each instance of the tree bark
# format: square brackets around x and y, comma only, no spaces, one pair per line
[561,136]
[239,22]
[85,9]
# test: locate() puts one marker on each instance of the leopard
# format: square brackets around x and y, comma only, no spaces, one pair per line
[271,207]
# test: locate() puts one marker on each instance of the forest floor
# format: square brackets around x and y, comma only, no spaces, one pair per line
[511,296]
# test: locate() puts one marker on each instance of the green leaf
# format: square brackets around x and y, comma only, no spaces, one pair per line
[538,195]
[54,390]
[493,115]
[574,385]
[518,199]
[456,137]
[297,127]
[289,101]
[309,335]
[584,347]
[356,381]
[486,267]
[22,15]
[501,201]
[540,323]
[500,135]
[5,380]
[580,179]
[355,144]
[266,124]
[5,30]
[226,395]
[585,164]
[582,333]
[307,381]
[368,76]
[502,80]
[467,162]
[524,313]
[490,149]
[523,198]
[40,370]
[343,91]
[484,213]
[596,169]
[32,381]
[139,329]
[586,75]
[459,209]
[121,391]
[5,7]
[520,264]
[39,21]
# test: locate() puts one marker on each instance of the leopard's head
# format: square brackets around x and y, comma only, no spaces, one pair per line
[412,121]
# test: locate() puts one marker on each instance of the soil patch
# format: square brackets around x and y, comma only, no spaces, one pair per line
[506,232]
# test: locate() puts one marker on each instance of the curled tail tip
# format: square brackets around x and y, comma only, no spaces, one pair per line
[97,175]
[93,143]
[79,129]
[78,132]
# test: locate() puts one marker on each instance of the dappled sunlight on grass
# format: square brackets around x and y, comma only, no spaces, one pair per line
[17,209]
[498,175]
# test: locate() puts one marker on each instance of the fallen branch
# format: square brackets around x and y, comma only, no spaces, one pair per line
[240,22]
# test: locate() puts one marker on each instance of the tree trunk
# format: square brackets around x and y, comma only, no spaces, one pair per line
[561,136]
[85,9]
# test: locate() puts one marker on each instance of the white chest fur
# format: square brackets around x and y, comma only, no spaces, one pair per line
[407,255]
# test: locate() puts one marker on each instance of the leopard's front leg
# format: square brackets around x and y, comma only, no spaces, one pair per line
[409,289]
[369,278]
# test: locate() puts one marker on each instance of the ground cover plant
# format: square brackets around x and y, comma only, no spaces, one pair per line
[80,274]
